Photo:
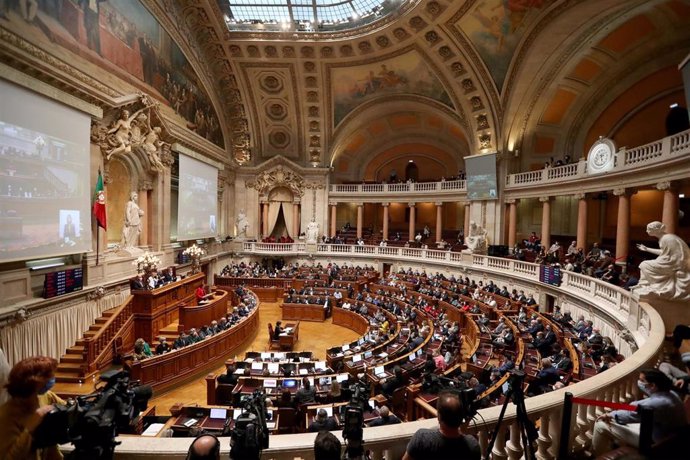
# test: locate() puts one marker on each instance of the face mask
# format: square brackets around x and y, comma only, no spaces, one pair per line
[49,384]
[643,387]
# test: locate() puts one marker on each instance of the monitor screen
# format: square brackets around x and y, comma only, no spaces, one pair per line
[420,352]
[346,347]
[329,410]
[481,177]
[265,355]
[378,370]
[325,381]
[273,368]
[270,383]
[368,354]
[505,387]
[221,414]
[197,203]
[236,413]
[412,356]
[320,365]
[258,366]
[340,378]
[360,341]
[289,383]
[356,358]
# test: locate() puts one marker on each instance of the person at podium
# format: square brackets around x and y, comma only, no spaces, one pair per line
[200,293]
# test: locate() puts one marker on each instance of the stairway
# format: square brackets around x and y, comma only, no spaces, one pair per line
[72,367]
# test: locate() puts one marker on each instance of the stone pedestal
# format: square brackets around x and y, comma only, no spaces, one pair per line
[672,312]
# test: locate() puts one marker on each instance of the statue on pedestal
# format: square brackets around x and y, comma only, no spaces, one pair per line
[312,232]
[132,226]
[242,224]
[476,240]
[667,276]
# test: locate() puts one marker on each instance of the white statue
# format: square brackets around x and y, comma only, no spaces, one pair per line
[476,241]
[312,232]
[667,276]
[132,225]
[242,224]
[152,145]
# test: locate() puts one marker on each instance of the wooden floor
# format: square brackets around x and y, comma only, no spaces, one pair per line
[313,336]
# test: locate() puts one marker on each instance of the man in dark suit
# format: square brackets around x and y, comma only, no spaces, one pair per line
[277,331]
[397,381]
[138,283]
[169,275]
[385,418]
[322,422]
[229,378]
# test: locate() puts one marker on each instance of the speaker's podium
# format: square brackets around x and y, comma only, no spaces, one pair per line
[498,250]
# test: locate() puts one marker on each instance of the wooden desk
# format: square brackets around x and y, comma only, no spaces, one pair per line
[164,371]
[195,316]
[287,341]
[304,312]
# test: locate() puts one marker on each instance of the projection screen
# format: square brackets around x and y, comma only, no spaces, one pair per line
[45,191]
[197,204]
[481,177]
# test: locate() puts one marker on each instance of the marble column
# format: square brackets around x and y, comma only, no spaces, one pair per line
[669,216]
[264,219]
[439,222]
[622,224]
[385,220]
[512,223]
[360,219]
[582,221]
[412,222]
[334,211]
[466,226]
[546,222]
[144,206]
[295,221]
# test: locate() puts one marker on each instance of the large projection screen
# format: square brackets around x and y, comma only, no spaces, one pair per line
[197,204]
[45,195]
[481,177]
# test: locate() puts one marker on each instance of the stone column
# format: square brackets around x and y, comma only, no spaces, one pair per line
[334,211]
[144,206]
[512,222]
[385,220]
[669,216]
[264,219]
[360,219]
[546,222]
[295,221]
[622,224]
[582,221]
[466,226]
[412,222]
[439,221]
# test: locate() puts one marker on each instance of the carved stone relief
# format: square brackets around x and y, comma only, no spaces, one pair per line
[280,176]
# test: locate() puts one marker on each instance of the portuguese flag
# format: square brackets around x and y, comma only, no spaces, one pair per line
[99,202]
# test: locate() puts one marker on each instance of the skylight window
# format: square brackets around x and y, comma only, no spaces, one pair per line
[304,15]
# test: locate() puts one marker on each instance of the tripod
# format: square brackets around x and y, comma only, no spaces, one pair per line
[528,432]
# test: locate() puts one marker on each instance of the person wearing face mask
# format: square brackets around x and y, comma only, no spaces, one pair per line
[29,385]
[623,426]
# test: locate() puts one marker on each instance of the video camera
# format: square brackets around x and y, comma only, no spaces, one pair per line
[250,434]
[93,421]
[353,432]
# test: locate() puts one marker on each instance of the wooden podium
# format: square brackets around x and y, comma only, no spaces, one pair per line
[155,309]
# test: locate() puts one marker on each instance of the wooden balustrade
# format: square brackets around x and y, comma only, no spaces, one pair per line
[99,348]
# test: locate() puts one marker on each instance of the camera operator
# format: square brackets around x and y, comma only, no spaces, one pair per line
[29,385]
[446,442]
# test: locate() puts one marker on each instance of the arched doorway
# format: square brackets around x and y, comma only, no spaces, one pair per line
[281,214]
[412,171]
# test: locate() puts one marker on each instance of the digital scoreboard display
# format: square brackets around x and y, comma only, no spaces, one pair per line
[63,282]
[550,275]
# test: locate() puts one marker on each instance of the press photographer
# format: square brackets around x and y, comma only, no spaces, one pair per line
[92,422]
[29,385]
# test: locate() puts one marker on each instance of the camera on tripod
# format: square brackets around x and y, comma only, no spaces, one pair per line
[353,432]
[93,421]
[250,433]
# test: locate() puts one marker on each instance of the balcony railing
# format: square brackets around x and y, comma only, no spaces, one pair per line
[654,154]
[617,384]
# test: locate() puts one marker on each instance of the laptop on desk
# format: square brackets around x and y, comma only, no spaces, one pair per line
[379,371]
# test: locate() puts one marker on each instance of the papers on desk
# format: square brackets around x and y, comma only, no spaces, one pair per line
[190,422]
[270,383]
[239,371]
[287,330]
[303,371]
[383,355]
[153,429]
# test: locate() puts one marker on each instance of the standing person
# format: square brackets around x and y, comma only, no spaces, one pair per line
[29,385]
[446,441]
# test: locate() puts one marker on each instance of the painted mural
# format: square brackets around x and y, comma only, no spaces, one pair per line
[123,37]
[495,27]
[404,74]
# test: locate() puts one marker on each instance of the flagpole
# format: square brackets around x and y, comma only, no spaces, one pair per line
[98,241]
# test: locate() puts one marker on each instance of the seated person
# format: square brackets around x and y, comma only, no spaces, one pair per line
[169,275]
[181,341]
[322,422]
[229,378]
[137,283]
[163,346]
[142,350]
[385,418]
[623,426]
[548,375]
[395,382]
[277,330]
[306,393]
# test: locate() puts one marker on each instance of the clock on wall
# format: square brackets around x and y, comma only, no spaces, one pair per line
[602,156]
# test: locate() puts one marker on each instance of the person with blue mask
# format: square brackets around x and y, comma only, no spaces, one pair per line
[28,385]
[623,426]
